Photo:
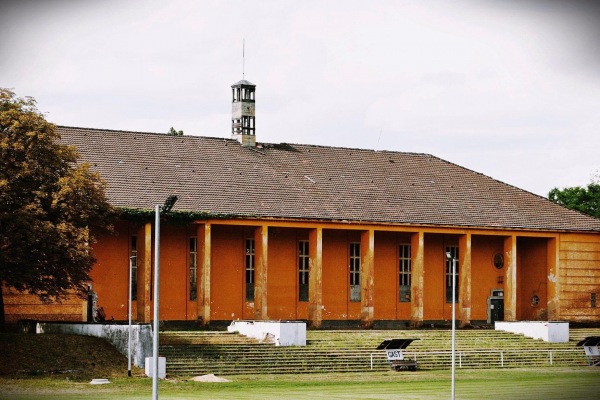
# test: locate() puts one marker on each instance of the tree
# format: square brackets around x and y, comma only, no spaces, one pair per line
[582,199]
[173,132]
[50,206]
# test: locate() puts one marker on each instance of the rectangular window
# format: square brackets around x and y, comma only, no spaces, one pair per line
[404,271]
[453,250]
[355,271]
[133,261]
[249,269]
[193,268]
[303,261]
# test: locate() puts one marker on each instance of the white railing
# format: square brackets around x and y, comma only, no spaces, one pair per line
[494,357]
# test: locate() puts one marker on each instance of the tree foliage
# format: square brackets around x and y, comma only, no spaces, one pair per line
[582,199]
[174,132]
[50,206]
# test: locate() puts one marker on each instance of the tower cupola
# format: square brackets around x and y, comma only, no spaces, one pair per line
[243,123]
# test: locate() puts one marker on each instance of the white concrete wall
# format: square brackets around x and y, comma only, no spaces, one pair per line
[282,333]
[548,331]
[117,335]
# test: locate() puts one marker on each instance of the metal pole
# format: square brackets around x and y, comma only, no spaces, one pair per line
[453,323]
[156,299]
[129,317]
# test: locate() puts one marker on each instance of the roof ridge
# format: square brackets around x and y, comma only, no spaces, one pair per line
[145,133]
[264,144]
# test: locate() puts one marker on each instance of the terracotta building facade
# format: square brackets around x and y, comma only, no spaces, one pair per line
[333,236]
[223,270]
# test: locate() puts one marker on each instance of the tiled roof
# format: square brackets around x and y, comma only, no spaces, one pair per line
[295,181]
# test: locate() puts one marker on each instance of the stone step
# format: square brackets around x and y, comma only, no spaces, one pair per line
[193,353]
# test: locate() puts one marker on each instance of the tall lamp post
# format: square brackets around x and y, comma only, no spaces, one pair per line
[129,314]
[453,260]
[169,203]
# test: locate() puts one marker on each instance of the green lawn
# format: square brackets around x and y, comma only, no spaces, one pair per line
[546,383]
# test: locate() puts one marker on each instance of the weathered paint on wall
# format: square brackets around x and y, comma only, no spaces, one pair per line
[204,235]
[465,278]
[553,270]
[367,289]
[117,335]
[579,277]
[315,287]
[417,289]
[19,306]
[510,278]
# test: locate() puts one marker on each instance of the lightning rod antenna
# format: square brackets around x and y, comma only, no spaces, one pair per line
[243,56]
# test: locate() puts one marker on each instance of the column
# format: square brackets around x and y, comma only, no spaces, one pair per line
[315,277]
[510,280]
[261,243]
[144,272]
[553,279]
[464,287]
[417,245]
[204,265]
[367,288]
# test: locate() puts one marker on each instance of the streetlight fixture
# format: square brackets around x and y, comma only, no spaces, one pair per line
[449,257]
[169,203]
[129,314]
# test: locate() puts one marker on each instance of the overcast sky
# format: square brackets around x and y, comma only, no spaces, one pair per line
[507,88]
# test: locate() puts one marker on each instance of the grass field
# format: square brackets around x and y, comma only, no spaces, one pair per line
[546,383]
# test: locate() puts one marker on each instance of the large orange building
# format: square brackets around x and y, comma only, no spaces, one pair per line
[334,236]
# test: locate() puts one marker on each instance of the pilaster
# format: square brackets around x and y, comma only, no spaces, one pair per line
[261,240]
[203,283]
[510,280]
[144,273]
[464,299]
[553,279]
[315,277]
[417,244]
[367,289]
